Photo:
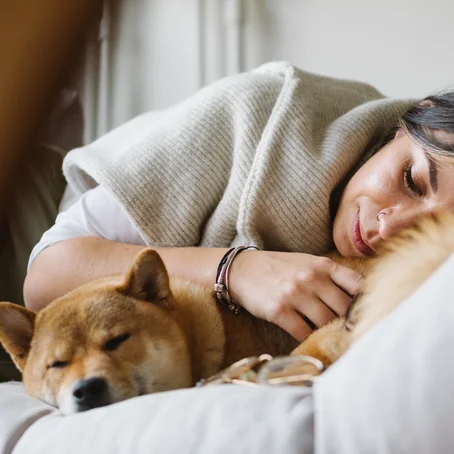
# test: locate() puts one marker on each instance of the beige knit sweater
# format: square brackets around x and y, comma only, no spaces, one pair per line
[251,159]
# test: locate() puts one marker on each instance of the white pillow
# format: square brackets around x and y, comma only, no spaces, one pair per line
[217,419]
[392,392]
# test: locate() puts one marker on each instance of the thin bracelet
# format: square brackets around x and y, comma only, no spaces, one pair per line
[219,283]
[221,287]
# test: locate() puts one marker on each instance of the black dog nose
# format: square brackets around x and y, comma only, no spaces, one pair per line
[90,393]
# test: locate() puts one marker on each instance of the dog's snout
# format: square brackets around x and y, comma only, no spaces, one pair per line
[90,393]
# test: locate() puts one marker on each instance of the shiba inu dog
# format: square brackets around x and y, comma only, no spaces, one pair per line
[121,337]
[117,338]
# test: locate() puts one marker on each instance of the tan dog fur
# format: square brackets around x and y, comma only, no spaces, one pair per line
[178,334]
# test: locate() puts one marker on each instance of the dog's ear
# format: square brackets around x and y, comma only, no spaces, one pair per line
[16,331]
[148,279]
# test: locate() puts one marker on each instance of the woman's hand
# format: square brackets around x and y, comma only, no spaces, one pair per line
[280,287]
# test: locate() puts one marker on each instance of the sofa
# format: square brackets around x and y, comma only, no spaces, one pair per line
[390,393]
[35,201]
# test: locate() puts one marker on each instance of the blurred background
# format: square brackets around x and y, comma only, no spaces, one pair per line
[148,54]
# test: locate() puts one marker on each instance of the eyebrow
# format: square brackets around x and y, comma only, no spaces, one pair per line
[433,172]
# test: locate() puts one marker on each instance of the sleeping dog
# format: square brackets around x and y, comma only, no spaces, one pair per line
[120,337]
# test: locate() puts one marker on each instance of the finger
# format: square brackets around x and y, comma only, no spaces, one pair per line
[335,299]
[315,310]
[290,321]
[347,279]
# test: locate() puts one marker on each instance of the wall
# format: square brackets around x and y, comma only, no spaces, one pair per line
[153,53]
[403,47]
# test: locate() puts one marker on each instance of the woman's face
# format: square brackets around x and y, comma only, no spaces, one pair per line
[401,183]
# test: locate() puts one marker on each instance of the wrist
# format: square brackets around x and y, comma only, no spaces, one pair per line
[237,269]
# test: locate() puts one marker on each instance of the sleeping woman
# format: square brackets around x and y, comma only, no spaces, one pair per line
[278,158]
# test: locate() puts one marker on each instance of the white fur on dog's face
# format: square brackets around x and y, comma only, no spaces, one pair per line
[396,181]
[70,345]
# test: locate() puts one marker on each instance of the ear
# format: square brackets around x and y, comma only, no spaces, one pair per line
[399,133]
[148,279]
[426,103]
[16,331]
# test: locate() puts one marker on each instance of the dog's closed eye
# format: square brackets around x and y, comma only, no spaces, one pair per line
[115,342]
[58,365]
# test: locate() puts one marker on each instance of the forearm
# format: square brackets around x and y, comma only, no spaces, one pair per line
[65,265]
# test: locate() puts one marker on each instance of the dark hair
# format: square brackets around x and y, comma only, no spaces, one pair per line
[430,123]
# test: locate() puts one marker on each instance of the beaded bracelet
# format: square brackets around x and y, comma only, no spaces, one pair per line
[221,286]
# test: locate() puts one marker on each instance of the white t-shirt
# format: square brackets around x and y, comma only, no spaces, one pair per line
[96,213]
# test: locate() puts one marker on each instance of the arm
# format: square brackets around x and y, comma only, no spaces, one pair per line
[274,286]
[95,238]
[67,264]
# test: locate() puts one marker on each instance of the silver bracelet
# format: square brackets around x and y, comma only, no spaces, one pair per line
[221,286]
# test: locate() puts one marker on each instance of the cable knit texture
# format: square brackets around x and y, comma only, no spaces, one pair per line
[250,159]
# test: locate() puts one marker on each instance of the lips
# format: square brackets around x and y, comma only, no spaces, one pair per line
[357,239]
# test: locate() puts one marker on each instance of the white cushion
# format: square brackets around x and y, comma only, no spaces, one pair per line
[393,391]
[17,413]
[221,419]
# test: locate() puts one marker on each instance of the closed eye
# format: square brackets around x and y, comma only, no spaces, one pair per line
[114,343]
[58,365]
[410,183]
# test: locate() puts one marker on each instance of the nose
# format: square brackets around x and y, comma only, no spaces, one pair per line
[90,393]
[395,220]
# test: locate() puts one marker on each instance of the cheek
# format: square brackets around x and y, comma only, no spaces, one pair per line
[376,182]
[169,366]
[368,183]
[40,384]
[46,388]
